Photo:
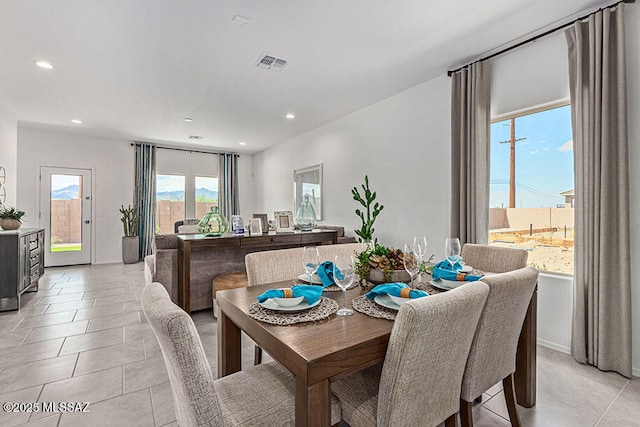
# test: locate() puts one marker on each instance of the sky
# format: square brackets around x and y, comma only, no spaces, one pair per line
[544,159]
[61,181]
[177,182]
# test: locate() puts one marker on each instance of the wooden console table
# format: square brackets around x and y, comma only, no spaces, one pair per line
[188,243]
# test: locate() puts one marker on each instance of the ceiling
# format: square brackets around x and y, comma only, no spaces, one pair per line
[134,69]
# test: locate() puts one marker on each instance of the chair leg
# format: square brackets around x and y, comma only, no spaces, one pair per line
[257,356]
[510,397]
[451,421]
[466,413]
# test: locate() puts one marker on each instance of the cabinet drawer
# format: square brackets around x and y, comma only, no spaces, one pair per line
[33,244]
[34,259]
[34,270]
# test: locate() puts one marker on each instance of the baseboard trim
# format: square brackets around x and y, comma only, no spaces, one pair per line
[554,346]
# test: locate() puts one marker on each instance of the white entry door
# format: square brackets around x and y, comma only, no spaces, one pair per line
[65,214]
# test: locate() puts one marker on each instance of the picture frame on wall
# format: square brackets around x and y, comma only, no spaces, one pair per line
[308,181]
[284,221]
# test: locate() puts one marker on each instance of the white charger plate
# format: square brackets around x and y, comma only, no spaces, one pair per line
[385,301]
[315,279]
[272,305]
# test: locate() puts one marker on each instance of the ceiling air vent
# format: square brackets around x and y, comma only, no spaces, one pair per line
[270,62]
[195,137]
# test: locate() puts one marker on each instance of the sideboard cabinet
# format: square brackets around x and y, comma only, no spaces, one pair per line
[21,264]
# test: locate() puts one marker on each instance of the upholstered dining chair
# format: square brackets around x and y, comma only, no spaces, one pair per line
[261,396]
[494,259]
[286,264]
[419,382]
[492,357]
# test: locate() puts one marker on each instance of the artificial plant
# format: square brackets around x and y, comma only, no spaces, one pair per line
[368,217]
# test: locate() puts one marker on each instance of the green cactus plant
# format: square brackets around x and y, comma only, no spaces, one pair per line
[368,217]
[129,221]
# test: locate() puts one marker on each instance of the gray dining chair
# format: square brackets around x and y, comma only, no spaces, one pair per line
[492,357]
[419,382]
[286,264]
[261,396]
[494,259]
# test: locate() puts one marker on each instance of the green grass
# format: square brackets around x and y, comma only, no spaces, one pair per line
[67,248]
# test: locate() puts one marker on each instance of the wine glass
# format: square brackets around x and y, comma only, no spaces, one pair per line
[310,260]
[411,261]
[344,275]
[452,250]
[420,246]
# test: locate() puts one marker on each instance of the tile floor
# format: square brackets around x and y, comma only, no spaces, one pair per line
[83,338]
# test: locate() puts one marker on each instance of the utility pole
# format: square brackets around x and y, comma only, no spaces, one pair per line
[512,164]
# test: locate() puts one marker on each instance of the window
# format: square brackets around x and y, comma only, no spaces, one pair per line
[532,187]
[170,202]
[206,194]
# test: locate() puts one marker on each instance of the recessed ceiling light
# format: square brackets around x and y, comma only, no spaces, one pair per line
[290,116]
[188,119]
[242,143]
[44,64]
[76,121]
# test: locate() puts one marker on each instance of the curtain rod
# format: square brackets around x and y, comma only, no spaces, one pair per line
[186,149]
[539,36]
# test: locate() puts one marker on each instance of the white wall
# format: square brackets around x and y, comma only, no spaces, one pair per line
[112,162]
[402,143]
[9,153]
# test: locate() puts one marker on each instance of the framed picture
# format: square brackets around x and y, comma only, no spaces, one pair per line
[264,222]
[284,221]
[308,181]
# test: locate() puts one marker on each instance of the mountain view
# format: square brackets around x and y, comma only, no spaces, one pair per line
[67,193]
[202,195]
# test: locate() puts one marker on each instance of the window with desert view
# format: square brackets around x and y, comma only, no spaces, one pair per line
[532,187]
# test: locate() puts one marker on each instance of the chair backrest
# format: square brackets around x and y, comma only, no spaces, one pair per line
[494,259]
[328,252]
[492,356]
[426,356]
[189,372]
[273,266]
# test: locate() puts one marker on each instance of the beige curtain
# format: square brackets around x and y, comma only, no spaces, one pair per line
[601,331]
[470,137]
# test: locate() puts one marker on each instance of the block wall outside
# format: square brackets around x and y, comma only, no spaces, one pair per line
[523,218]
[168,212]
[66,221]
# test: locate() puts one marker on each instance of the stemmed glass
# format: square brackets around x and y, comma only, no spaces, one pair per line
[344,275]
[411,261]
[452,250]
[420,246]
[310,260]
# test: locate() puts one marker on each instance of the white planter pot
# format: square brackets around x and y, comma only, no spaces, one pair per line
[130,249]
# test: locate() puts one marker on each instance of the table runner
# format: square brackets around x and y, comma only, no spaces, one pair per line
[321,311]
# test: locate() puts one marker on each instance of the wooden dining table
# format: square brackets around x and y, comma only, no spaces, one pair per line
[317,353]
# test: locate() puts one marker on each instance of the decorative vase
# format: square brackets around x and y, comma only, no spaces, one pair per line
[130,245]
[213,224]
[377,276]
[306,215]
[10,224]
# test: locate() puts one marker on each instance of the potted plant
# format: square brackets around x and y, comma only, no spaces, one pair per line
[10,218]
[381,264]
[372,210]
[130,242]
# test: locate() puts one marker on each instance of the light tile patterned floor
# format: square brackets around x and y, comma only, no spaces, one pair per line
[82,337]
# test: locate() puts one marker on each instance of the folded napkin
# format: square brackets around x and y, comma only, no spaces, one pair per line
[444,270]
[310,292]
[397,290]
[325,272]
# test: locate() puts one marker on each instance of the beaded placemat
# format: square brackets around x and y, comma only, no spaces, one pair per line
[370,308]
[321,311]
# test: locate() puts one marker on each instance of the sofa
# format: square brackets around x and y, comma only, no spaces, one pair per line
[162,266]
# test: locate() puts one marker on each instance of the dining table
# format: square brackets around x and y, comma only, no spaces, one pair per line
[319,352]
